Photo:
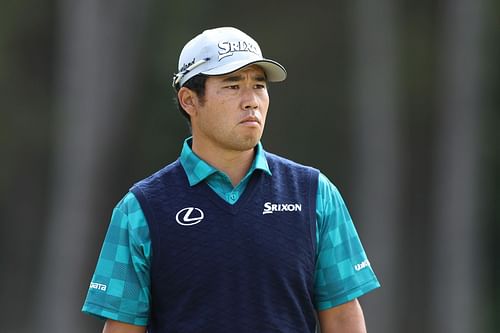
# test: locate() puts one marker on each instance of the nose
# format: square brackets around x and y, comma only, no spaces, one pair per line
[249,100]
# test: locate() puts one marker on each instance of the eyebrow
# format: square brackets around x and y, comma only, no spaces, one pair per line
[237,78]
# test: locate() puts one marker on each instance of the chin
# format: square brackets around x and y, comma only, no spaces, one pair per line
[246,144]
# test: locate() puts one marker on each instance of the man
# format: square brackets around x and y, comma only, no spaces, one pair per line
[230,238]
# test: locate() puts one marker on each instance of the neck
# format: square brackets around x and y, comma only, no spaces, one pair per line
[235,164]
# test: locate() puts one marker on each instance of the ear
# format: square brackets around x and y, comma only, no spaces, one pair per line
[188,100]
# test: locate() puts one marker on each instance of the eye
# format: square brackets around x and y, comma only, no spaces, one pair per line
[260,86]
[233,86]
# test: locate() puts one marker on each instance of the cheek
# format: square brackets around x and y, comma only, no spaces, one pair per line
[264,101]
[264,107]
[218,117]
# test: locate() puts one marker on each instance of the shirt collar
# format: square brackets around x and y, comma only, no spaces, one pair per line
[198,170]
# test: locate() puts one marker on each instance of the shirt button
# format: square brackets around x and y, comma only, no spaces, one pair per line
[233,197]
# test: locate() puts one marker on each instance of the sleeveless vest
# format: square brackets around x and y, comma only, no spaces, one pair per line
[217,267]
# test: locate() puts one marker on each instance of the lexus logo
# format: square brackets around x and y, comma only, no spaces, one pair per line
[189,216]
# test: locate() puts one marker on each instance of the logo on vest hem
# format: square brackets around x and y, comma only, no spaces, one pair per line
[270,207]
[189,216]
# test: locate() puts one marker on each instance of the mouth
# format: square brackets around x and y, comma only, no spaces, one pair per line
[251,120]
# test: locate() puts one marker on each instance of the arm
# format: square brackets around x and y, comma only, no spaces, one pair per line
[127,246]
[113,326]
[345,318]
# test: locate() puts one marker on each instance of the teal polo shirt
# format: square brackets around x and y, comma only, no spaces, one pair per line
[342,274]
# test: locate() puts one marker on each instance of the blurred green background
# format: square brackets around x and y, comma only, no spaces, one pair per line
[396,101]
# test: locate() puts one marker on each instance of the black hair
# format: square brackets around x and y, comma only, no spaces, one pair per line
[196,84]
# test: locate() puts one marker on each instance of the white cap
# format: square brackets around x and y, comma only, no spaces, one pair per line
[221,51]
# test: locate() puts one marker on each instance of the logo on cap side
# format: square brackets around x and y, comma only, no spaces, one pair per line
[227,49]
[186,65]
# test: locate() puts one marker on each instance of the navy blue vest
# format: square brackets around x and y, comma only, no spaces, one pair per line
[247,267]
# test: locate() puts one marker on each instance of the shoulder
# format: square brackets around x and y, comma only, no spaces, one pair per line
[330,200]
[326,188]
[128,215]
[155,180]
[276,161]
[128,204]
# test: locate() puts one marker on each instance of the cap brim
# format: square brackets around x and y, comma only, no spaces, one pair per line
[275,72]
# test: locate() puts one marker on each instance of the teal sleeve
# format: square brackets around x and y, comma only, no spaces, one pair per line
[343,271]
[120,286]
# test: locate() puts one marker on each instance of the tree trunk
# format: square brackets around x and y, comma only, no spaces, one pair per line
[376,151]
[456,261]
[99,42]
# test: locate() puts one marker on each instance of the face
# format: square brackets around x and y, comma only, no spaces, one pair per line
[232,114]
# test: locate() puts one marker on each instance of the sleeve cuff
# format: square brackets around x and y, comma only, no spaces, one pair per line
[104,313]
[347,296]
